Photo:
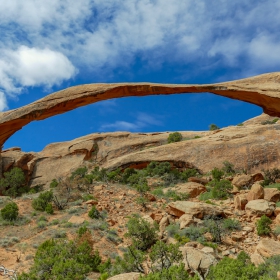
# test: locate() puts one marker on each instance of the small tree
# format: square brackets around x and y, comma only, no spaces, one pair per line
[94,213]
[263,225]
[212,127]
[13,182]
[10,212]
[42,202]
[174,137]
[141,232]
[217,174]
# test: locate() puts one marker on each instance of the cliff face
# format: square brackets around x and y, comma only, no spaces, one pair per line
[252,147]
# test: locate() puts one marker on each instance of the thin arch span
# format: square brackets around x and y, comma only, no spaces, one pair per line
[262,90]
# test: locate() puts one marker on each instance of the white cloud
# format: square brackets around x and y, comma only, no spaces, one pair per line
[3,101]
[101,35]
[33,67]
[142,120]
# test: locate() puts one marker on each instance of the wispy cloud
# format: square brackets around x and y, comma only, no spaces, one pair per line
[47,42]
[142,120]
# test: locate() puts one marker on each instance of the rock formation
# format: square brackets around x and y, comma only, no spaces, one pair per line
[262,90]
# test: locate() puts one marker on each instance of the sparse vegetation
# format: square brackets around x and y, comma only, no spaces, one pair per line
[263,225]
[94,213]
[174,137]
[270,121]
[213,126]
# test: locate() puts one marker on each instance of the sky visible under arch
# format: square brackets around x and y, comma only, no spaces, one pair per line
[46,46]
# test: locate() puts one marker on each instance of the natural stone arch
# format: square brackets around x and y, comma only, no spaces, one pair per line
[262,90]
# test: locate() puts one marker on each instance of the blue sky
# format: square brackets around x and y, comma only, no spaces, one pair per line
[50,45]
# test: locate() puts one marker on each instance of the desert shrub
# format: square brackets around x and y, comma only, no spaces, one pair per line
[232,269]
[263,225]
[42,201]
[186,174]
[174,137]
[269,121]
[13,183]
[143,235]
[53,184]
[214,226]
[206,196]
[269,269]
[63,259]
[270,176]
[217,174]
[220,189]
[163,256]
[213,126]
[173,229]
[231,224]
[41,224]
[80,172]
[126,174]
[277,230]
[194,233]
[10,211]
[132,261]
[176,196]
[228,167]
[94,213]
[49,208]
[87,197]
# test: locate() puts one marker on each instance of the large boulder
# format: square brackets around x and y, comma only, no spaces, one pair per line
[202,181]
[195,259]
[260,207]
[256,192]
[240,201]
[241,181]
[126,276]
[257,259]
[272,194]
[194,209]
[191,188]
[268,248]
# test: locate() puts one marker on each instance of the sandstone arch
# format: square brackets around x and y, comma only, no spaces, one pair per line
[262,90]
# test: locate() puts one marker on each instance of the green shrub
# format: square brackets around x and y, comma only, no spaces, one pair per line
[42,201]
[231,224]
[277,230]
[13,183]
[217,174]
[263,225]
[232,269]
[206,196]
[94,213]
[228,167]
[80,172]
[87,197]
[220,189]
[212,127]
[49,208]
[63,259]
[270,176]
[174,137]
[10,211]
[186,174]
[269,121]
[141,232]
[53,184]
